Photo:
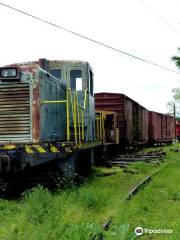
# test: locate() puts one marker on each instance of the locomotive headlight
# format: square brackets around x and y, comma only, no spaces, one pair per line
[8,73]
[4,73]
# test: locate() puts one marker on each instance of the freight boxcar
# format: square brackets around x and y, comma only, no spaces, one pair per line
[178,130]
[161,128]
[46,113]
[126,122]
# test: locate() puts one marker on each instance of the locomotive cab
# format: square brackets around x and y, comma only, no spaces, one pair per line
[78,78]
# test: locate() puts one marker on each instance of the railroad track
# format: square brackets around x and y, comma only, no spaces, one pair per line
[142,183]
[153,157]
[134,190]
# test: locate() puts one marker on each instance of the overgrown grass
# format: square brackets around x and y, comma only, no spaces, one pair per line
[78,212]
[157,206]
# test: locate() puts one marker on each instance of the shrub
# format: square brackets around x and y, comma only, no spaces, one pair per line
[38,203]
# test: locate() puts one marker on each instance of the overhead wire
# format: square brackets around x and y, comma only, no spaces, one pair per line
[158,16]
[87,38]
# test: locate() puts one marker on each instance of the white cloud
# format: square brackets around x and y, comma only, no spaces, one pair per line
[126,25]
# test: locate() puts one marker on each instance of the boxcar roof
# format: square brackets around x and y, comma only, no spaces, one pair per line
[109,95]
[165,114]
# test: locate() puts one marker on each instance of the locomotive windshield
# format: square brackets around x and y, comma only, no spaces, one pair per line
[56,72]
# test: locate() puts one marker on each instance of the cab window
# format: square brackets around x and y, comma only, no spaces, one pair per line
[76,80]
[56,72]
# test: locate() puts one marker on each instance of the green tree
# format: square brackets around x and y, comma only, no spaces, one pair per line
[173,109]
[174,105]
[176,59]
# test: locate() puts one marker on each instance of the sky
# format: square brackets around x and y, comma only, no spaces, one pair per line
[124,24]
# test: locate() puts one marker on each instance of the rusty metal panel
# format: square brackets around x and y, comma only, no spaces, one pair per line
[14,112]
[128,121]
[35,113]
[155,129]
[161,127]
[158,125]
[112,102]
[135,122]
[171,127]
[143,123]
[164,126]
[177,129]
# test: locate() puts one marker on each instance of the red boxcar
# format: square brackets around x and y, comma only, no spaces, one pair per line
[178,130]
[161,128]
[129,120]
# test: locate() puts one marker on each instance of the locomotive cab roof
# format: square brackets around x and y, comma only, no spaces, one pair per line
[47,64]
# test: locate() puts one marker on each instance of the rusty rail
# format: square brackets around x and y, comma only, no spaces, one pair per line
[147,179]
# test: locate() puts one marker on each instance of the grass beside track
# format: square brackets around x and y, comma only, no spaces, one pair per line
[77,213]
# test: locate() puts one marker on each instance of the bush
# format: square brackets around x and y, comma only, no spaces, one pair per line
[38,203]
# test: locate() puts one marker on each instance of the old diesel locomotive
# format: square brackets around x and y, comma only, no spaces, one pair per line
[47,114]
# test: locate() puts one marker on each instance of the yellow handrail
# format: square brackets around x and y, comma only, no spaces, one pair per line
[67,115]
[100,131]
[72,99]
[85,98]
[103,129]
[97,127]
[54,101]
[75,119]
[82,121]
[100,127]
[78,118]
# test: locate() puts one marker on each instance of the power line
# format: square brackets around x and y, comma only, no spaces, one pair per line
[87,38]
[158,16]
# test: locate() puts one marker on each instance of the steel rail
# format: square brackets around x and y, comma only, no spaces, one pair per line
[143,182]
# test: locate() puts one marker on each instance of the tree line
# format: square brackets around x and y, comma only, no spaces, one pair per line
[174,105]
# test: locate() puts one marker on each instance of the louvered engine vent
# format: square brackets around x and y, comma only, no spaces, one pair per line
[14,112]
